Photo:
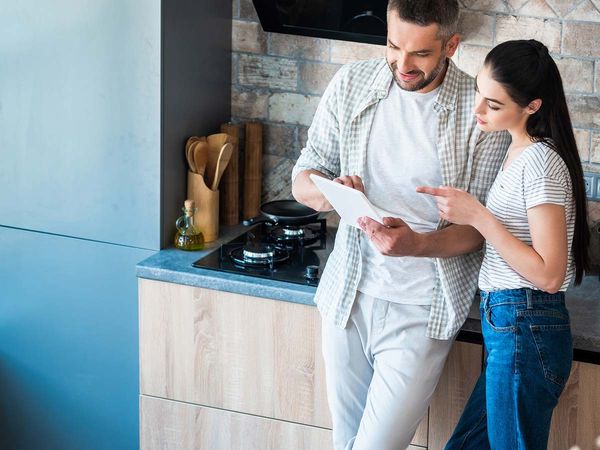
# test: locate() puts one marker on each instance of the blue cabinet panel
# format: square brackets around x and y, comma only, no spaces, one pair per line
[68,343]
[80,118]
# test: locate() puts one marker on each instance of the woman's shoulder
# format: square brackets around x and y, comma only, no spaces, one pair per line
[541,160]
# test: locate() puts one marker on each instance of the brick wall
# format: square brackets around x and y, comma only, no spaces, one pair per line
[278,79]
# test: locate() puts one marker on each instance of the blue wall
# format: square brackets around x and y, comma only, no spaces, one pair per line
[80,94]
[80,118]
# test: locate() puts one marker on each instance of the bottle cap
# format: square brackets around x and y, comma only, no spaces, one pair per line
[189,204]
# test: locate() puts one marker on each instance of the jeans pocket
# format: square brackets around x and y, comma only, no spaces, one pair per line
[554,345]
[501,317]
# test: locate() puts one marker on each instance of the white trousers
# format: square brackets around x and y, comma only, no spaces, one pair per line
[381,371]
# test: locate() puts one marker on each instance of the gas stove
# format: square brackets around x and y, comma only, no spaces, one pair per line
[295,254]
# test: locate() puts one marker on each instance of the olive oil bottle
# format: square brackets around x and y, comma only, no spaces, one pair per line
[188,237]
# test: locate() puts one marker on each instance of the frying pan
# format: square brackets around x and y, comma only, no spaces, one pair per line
[283,212]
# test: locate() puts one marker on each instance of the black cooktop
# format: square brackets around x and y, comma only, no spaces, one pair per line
[295,254]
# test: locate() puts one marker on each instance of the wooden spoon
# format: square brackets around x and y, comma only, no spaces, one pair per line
[201,151]
[222,161]
[189,155]
[189,142]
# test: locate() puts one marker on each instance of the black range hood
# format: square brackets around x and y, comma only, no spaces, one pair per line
[348,20]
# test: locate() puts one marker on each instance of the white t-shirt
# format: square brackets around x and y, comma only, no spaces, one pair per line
[402,154]
[538,176]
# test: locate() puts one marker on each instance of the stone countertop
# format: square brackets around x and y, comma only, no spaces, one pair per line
[175,266]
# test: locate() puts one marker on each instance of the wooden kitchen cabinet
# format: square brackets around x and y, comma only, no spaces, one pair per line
[231,351]
[460,374]
[238,359]
[576,419]
[167,424]
[229,371]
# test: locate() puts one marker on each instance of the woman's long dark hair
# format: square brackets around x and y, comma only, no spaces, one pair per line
[528,72]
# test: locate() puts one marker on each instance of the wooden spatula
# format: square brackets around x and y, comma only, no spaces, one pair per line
[215,143]
[222,161]
[201,151]
[218,140]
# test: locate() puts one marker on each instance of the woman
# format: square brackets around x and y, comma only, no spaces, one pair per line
[536,243]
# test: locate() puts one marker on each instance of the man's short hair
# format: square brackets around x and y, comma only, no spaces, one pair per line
[426,12]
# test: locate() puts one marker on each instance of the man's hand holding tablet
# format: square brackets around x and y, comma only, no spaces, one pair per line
[391,235]
[349,202]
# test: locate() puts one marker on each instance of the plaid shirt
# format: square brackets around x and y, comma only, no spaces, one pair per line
[337,145]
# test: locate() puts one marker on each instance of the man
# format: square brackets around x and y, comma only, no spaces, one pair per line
[392,297]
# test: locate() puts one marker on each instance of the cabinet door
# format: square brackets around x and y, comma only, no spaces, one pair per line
[67,333]
[166,424]
[420,437]
[80,127]
[576,419]
[231,351]
[454,388]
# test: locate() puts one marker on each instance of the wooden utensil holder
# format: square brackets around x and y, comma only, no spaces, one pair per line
[206,217]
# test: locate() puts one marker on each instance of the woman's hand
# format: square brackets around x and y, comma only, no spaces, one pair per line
[455,206]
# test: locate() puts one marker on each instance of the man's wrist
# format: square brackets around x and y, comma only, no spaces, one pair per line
[421,242]
[305,192]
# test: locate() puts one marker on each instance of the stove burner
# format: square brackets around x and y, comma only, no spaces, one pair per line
[291,231]
[293,237]
[258,255]
[258,252]
[312,272]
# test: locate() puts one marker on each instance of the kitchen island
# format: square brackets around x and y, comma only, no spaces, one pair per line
[229,361]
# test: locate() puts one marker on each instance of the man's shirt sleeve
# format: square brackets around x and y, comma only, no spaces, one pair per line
[322,150]
[487,159]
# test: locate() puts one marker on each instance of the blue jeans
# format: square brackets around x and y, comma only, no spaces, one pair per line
[529,348]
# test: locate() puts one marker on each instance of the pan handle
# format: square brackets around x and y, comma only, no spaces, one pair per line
[256,220]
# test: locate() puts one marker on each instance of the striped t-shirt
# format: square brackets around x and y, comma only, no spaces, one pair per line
[539,175]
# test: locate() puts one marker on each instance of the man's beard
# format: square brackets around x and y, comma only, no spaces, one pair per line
[424,82]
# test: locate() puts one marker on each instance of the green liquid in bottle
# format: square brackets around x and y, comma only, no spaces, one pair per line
[189,242]
[188,237]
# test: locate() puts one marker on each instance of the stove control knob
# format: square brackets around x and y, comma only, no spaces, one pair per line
[312,272]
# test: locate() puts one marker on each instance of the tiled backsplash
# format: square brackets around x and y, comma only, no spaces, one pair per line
[278,79]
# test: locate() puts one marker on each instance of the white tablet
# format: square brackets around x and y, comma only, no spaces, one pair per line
[349,203]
